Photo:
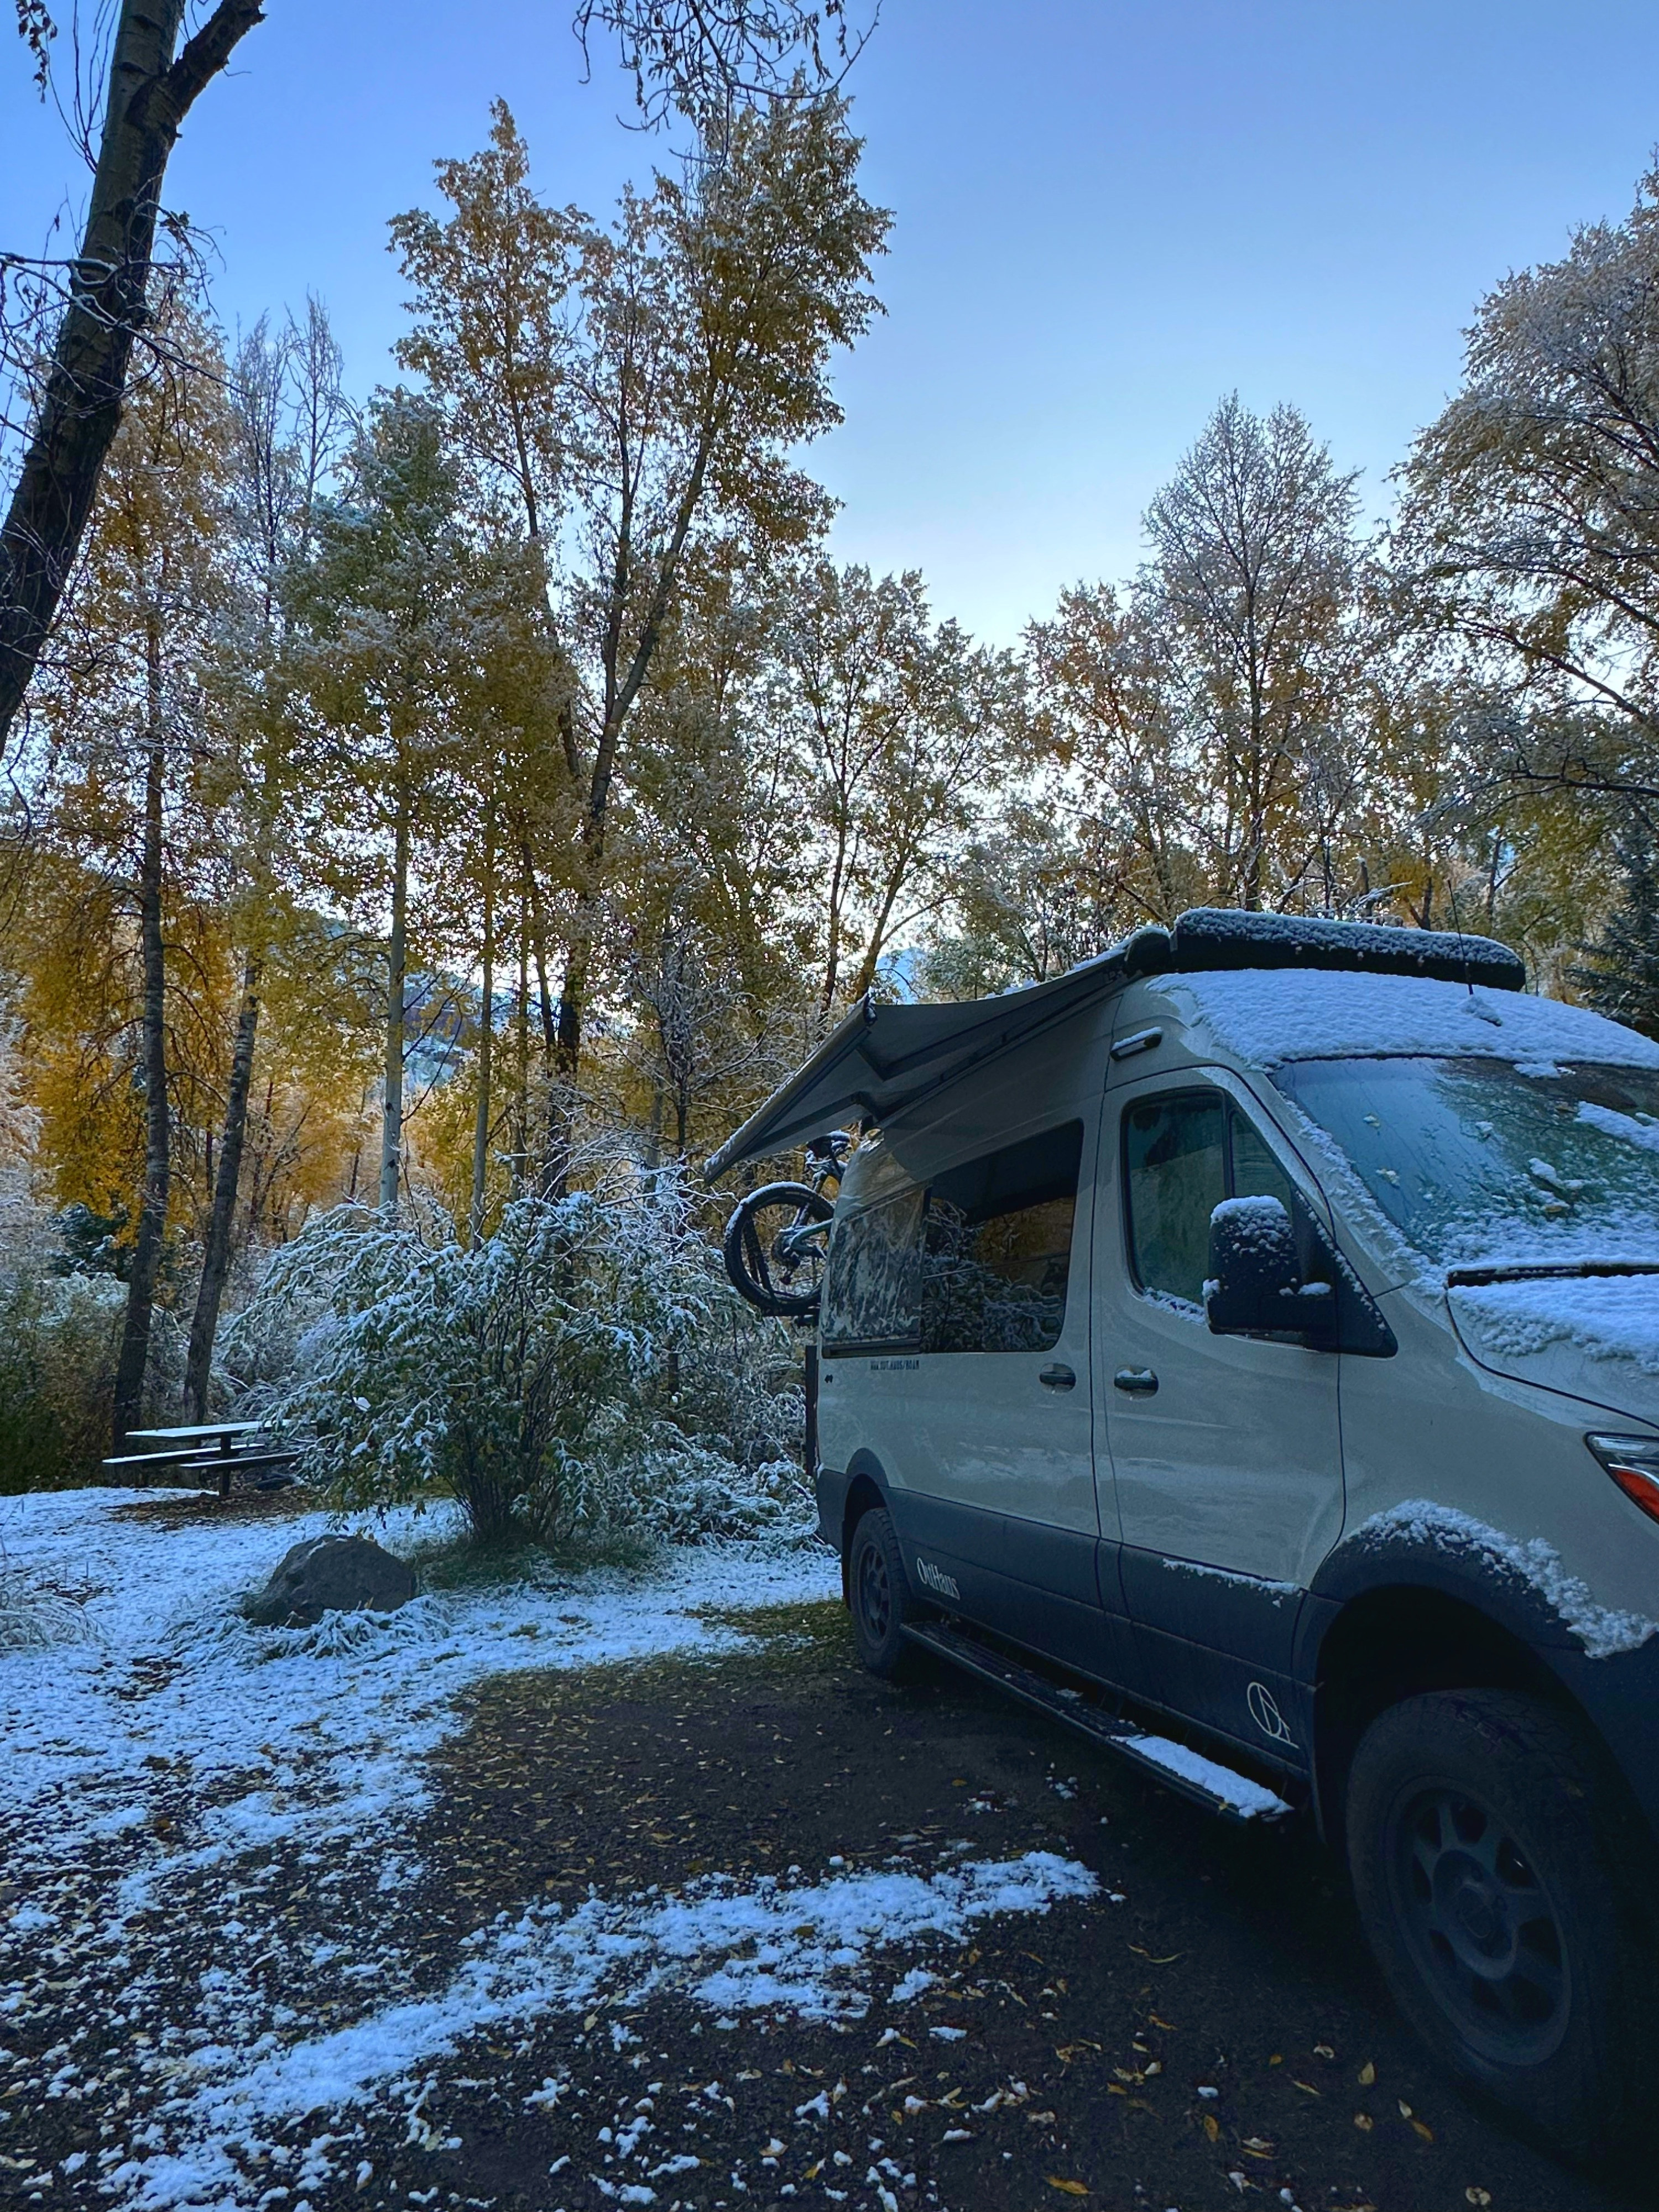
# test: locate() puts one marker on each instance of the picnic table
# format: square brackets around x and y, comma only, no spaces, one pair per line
[222,1449]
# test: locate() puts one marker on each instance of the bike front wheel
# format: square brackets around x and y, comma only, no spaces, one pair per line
[774,1246]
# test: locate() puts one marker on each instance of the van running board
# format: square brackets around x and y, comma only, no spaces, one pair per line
[1219,1789]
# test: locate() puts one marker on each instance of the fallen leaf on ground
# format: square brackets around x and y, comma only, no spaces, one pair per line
[1367,2074]
[1066,2188]
[1363,2121]
[1474,2195]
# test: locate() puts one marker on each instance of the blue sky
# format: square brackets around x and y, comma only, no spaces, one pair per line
[1107,215]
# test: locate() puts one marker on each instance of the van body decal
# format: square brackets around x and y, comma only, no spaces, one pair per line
[1264,1711]
[935,1579]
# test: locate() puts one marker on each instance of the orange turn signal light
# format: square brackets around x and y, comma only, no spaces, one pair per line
[1633,1463]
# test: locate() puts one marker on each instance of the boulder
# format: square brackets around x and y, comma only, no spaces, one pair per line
[331,1574]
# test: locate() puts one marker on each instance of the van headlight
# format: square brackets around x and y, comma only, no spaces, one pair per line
[1633,1463]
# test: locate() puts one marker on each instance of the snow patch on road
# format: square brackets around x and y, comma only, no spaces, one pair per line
[799,1948]
[173,1739]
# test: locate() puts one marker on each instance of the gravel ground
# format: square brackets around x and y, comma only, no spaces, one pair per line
[1170,2013]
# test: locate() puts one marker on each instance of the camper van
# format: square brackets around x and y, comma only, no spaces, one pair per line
[1245,1349]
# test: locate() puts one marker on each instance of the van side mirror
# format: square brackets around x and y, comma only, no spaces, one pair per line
[1255,1286]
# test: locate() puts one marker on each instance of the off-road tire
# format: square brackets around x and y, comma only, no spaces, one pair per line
[1483,1862]
[878,1595]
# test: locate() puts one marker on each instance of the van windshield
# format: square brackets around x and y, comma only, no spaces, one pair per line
[1477,1160]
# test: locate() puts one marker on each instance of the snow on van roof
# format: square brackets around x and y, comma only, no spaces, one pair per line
[1264,1016]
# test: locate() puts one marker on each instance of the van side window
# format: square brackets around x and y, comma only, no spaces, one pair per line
[1182,1154]
[871,1290]
[997,1247]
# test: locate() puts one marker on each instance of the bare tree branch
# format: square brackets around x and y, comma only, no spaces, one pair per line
[705,58]
[149,93]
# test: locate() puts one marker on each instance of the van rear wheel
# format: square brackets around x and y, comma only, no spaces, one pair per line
[1491,1898]
[879,1594]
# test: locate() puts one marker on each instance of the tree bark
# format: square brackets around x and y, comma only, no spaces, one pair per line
[149,94]
[391,1117]
[487,1033]
[133,1358]
[521,1045]
[216,1256]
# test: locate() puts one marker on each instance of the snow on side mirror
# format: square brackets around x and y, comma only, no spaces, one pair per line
[1255,1286]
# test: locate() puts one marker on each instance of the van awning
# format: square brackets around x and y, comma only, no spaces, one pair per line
[882,1057]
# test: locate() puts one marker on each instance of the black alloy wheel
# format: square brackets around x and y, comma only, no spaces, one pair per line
[1482,1926]
[879,1594]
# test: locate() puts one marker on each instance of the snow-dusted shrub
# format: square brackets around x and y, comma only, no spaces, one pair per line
[59,1337]
[579,1367]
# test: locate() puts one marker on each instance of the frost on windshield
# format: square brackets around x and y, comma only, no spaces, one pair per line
[1481,1160]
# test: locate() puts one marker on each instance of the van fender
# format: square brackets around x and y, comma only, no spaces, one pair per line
[1521,1585]
[844,1496]
[1424,1597]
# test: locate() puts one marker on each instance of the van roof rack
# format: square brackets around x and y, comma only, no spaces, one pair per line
[883,1057]
[1210,937]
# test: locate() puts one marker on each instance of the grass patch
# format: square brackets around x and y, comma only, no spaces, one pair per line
[35,1611]
[456,1560]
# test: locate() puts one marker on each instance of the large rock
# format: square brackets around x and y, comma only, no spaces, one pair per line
[331,1574]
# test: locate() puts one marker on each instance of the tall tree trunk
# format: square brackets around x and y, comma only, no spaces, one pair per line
[566,1054]
[391,1112]
[215,1257]
[487,1034]
[153,1208]
[149,94]
[521,1044]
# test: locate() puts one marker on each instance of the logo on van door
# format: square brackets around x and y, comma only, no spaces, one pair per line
[944,1585]
[1264,1711]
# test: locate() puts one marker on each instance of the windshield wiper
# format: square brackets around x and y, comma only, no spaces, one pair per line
[1544,1271]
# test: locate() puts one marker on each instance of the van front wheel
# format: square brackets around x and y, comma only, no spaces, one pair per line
[1492,1902]
[879,1593]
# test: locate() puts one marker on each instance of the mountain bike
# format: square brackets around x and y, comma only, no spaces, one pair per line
[777,1239]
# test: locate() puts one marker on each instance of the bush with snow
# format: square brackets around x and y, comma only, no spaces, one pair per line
[59,1336]
[583,1367]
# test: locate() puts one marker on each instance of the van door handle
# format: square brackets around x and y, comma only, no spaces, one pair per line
[1138,1382]
[1057,1377]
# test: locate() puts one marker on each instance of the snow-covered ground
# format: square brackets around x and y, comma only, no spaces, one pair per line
[317,1731]
[164,1760]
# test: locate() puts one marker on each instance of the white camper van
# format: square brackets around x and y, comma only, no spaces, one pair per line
[1246,1348]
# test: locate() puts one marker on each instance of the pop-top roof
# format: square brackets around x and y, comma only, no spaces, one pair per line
[882,1057]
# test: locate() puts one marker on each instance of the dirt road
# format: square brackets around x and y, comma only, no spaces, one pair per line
[1218,2034]
[1204,2028]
